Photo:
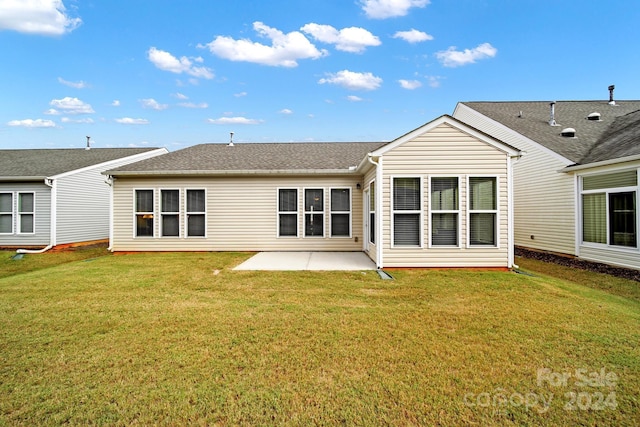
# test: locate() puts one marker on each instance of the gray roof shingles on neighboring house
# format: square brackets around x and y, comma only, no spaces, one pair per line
[301,157]
[36,164]
[615,135]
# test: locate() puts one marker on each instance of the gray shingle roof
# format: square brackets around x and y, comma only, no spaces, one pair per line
[254,157]
[610,138]
[42,163]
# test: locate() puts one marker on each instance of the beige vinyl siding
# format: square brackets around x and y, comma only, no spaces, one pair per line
[42,225]
[544,197]
[446,151]
[241,214]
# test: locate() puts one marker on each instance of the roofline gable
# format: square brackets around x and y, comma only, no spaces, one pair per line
[451,121]
[134,157]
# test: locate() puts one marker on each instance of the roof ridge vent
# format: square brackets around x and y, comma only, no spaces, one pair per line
[568,132]
[594,117]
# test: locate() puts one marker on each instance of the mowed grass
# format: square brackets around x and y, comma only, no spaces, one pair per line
[181,339]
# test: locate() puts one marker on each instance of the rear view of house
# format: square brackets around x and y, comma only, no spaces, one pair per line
[436,196]
[51,197]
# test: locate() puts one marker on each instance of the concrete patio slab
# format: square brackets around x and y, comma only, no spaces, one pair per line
[291,261]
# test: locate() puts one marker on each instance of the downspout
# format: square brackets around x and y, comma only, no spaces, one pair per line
[378,208]
[109,182]
[511,239]
[51,183]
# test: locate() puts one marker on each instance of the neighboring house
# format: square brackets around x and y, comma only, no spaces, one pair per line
[437,196]
[576,186]
[50,197]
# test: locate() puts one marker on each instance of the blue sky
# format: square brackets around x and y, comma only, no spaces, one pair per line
[168,73]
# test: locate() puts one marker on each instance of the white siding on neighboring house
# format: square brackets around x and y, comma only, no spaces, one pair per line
[544,197]
[446,151]
[42,225]
[241,214]
[83,207]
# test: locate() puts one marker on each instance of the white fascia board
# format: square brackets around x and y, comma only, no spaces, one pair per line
[451,121]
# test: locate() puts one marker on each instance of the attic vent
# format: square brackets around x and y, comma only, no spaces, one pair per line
[594,117]
[568,132]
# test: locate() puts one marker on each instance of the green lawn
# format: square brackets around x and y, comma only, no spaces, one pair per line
[181,339]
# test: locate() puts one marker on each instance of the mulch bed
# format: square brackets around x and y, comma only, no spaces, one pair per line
[569,261]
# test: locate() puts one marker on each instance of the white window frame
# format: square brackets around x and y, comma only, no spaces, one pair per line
[495,211]
[432,211]
[10,212]
[188,213]
[332,212]
[152,213]
[420,212]
[305,212]
[177,213]
[607,192]
[20,213]
[279,212]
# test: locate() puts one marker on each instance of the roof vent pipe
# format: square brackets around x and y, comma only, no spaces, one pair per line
[231,139]
[611,101]
[552,118]
[88,147]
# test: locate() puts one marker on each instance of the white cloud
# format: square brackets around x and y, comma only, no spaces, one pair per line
[180,96]
[352,39]
[77,85]
[130,121]
[381,9]
[153,104]
[409,84]
[167,62]
[115,103]
[234,121]
[285,49]
[286,111]
[86,120]
[455,58]
[30,123]
[45,17]
[193,105]
[413,36]
[68,105]
[240,95]
[354,98]
[434,81]
[352,80]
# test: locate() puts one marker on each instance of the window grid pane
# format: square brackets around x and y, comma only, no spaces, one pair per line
[288,200]
[406,229]
[444,228]
[482,229]
[288,225]
[340,200]
[594,218]
[25,202]
[144,213]
[406,194]
[313,200]
[622,219]
[195,201]
[482,191]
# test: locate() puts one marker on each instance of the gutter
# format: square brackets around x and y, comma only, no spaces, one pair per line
[512,160]
[109,182]
[378,208]
[116,173]
[51,183]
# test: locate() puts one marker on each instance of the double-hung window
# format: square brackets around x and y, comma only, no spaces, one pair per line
[314,212]
[6,213]
[407,212]
[170,212]
[196,213]
[26,213]
[287,212]
[445,211]
[340,212]
[144,213]
[483,211]
[609,209]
